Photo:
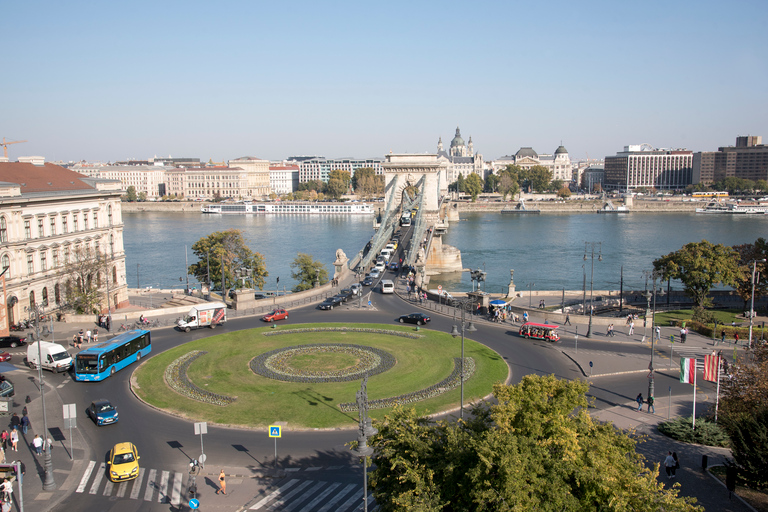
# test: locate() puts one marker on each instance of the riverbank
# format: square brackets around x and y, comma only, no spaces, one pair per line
[545,206]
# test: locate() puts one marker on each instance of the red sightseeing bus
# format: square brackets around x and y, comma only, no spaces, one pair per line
[544,332]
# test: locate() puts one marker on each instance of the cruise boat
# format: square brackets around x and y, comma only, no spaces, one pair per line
[291,208]
[734,208]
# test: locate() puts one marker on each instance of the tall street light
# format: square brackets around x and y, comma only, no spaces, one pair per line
[592,246]
[752,305]
[365,430]
[651,294]
[465,327]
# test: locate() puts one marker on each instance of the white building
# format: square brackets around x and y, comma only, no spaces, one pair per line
[643,166]
[558,164]
[461,157]
[149,179]
[257,175]
[46,213]
[283,179]
[313,168]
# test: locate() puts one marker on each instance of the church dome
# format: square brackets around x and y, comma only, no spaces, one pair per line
[457,140]
[561,150]
[526,152]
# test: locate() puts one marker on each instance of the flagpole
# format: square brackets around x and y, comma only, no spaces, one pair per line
[717,399]
[694,393]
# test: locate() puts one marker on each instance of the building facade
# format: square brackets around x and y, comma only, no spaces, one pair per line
[461,158]
[283,179]
[318,168]
[747,160]
[146,179]
[559,163]
[643,166]
[257,175]
[48,214]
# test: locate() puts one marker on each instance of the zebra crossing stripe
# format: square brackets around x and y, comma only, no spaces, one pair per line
[304,496]
[97,480]
[285,497]
[322,496]
[355,498]
[273,494]
[162,496]
[137,485]
[108,488]
[151,484]
[332,502]
[176,489]
[121,489]
[86,476]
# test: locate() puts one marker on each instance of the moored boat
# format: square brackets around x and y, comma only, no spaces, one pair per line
[291,208]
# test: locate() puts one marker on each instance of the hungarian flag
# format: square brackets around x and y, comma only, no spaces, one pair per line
[687,369]
[711,364]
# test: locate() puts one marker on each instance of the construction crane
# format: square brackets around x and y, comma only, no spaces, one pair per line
[5,145]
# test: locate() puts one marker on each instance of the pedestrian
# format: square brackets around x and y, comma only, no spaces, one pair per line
[222,483]
[639,401]
[736,339]
[25,423]
[95,335]
[15,439]
[722,337]
[682,335]
[610,330]
[669,464]
[651,408]
[7,489]
[525,315]
[108,323]
[37,443]
[22,468]
[631,328]
[88,336]
[15,421]
[658,334]
[676,466]
[567,319]
[48,444]
[4,437]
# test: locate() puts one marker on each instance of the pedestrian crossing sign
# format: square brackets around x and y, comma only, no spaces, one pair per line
[275,431]
[369,302]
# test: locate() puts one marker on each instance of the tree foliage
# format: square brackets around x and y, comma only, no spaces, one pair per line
[537,449]
[130,194]
[228,247]
[307,271]
[473,185]
[491,183]
[747,253]
[85,273]
[564,192]
[733,185]
[508,181]
[537,178]
[699,266]
[366,183]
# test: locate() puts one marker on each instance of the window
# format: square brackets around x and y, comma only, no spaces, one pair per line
[40,228]
[6,266]
[53,226]
[95,220]
[30,264]
[3,230]
[55,258]
[109,215]
[85,221]
[43,261]
[64,221]
[114,274]
[57,293]
[27,230]
[45,296]
[32,298]
[74,222]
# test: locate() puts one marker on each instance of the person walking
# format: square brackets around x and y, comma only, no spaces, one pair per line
[15,421]
[108,323]
[525,316]
[37,443]
[88,336]
[669,464]
[736,339]
[631,328]
[15,439]
[639,401]
[4,438]
[682,334]
[95,335]
[25,423]
[676,466]
[222,483]
[651,408]
[567,319]
[658,334]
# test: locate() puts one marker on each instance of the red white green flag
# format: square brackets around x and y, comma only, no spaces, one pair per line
[687,369]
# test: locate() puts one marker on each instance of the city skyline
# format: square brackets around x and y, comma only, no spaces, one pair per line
[114,82]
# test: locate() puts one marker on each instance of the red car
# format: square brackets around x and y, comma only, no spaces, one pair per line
[5,356]
[277,314]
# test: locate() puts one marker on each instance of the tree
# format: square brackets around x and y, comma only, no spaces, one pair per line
[473,185]
[699,266]
[491,183]
[537,449]
[747,254]
[539,178]
[142,196]
[508,181]
[366,183]
[84,271]
[761,185]
[564,192]
[556,185]
[460,183]
[336,188]
[227,247]
[307,272]
[130,194]
[344,176]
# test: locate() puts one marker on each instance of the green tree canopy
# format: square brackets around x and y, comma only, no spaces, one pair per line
[227,247]
[336,188]
[539,178]
[366,183]
[460,183]
[537,449]
[473,185]
[508,181]
[307,271]
[749,253]
[130,194]
[699,266]
[564,192]
[491,183]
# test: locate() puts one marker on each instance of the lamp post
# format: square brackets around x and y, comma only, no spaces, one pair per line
[651,294]
[48,483]
[465,327]
[592,246]
[752,304]
[317,278]
[530,293]
[365,430]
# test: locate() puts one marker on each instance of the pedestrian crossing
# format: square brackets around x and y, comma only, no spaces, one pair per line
[314,496]
[159,486]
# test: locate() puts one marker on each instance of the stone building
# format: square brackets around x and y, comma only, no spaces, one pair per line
[747,160]
[559,164]
[47,213]
[461,158]
[643,166]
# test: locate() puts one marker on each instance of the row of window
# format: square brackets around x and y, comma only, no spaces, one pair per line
[5,260]
[52,230]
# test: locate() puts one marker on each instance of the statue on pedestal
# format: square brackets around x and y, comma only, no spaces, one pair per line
[511,287]
[340,264]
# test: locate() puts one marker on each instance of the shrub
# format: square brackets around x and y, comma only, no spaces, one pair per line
[707,432]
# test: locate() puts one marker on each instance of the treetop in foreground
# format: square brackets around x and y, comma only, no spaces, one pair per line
[538,449]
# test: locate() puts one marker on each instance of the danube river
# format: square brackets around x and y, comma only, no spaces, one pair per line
[546,251]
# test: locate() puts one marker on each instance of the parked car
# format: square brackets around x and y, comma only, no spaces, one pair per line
[330,302]
[5,356]
[346,293]
[277,314]
[12,341]
[368,281]
[414,318]
[102,412]
[123,462]
[356,288]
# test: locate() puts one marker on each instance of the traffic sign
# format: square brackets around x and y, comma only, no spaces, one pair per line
[590,364]
[275,431]
[369,302]
[439,288]
[194,503]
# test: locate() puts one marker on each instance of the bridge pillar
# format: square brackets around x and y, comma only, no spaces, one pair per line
[411,168]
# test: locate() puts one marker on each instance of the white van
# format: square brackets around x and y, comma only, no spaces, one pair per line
[54,356]
[387,286]
[386,253]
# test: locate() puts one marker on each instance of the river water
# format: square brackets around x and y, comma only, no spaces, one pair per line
[545,251]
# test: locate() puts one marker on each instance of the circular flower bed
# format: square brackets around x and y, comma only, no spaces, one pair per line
[275,364]
[176,377]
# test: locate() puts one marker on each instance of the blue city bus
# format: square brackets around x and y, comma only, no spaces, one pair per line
[100,361]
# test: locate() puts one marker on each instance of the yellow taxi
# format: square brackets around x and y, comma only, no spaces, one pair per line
[123,462]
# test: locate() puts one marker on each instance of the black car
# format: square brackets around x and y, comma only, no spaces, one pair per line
[345,294]
[330,302]
[368,281]
[12,341]
[414,318]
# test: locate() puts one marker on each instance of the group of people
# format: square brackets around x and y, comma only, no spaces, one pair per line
[651,401]
[105,322]
[671,464]
[609,331]
[85,337]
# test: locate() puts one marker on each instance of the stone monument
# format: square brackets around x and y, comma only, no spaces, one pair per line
[511,287]
[340,264]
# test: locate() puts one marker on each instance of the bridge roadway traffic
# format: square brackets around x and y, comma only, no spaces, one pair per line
[167,443]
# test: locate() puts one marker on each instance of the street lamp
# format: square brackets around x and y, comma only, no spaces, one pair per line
[530,293]
[48,483]
[599,246]
[317,280]
[651,294]
[465,327]
[365,430]
[752,304]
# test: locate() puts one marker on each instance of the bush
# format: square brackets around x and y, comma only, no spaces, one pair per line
[749,439]
[707,432]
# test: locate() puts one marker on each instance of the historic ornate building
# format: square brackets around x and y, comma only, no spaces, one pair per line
[558,164]
[461,158]
[47,213]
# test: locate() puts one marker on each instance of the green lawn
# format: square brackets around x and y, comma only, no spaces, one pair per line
[262,401]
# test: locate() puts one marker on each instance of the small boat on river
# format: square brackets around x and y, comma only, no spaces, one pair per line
[290,208]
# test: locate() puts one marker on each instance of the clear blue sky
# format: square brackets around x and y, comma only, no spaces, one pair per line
[115,80]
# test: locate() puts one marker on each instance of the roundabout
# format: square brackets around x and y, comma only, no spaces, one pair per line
[304,376]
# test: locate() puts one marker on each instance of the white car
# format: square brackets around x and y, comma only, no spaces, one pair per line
[380,266]
[375,273]
[355,287]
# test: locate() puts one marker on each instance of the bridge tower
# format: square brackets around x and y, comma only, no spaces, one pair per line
[404,170]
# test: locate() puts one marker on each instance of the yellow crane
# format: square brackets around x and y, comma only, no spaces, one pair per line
[5,145]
